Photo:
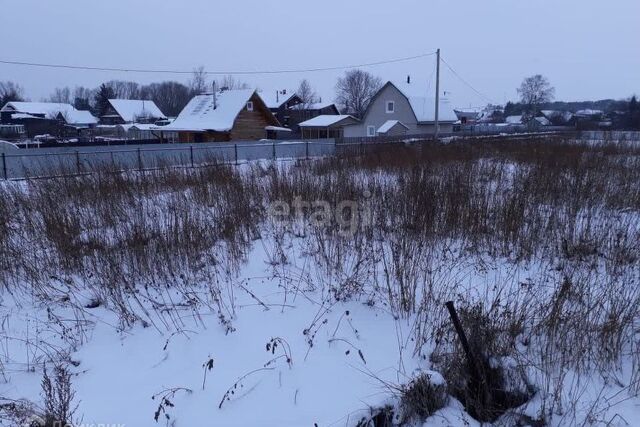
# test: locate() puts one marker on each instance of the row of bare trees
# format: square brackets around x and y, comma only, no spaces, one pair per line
[353,92]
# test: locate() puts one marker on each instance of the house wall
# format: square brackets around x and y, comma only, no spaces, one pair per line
[377,115]
[197,137]
[250,124]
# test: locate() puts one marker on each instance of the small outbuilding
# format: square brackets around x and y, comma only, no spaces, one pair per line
[326,126]
[392,128]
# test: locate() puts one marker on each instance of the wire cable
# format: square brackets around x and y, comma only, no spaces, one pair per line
[230,72]
[480,94]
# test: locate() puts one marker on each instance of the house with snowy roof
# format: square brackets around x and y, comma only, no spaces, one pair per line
[47,117]
[226,115]
[128,111]
[402,106]
[327,126]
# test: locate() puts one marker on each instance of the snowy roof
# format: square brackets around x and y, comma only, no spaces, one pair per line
[389,124]
[557,114]
[543,121]
[589,113]
[513,120]
[423,106]
[132,109]
[49,110]
[277,129]
[316,106]
[327,120]
[469,113]
[200,114]
[17,116]
[276,98]
[76,117]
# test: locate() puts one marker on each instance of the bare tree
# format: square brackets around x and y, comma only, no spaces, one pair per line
[61,95]
[306,93]
[535,90]
[125,89]
[355,90]
[198,82]
[83,98]
[10,91]
[170,97]
[230,83]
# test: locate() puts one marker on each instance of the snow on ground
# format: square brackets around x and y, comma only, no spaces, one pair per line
[331,384]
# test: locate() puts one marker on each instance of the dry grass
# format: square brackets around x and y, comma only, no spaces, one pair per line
[438,213]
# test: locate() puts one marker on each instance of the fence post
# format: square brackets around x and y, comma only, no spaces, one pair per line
[4,166]
[306,149]
[235,153]
[191,154]
[274,151]
[139,159]
[78,161]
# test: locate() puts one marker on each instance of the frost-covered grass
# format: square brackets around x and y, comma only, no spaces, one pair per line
[181,285]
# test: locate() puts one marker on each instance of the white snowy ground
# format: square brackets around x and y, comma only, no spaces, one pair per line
[118,371]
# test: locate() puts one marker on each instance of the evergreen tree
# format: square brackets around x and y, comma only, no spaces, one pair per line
[104,94]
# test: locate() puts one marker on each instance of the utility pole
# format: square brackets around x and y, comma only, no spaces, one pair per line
[437,122]
[215,101]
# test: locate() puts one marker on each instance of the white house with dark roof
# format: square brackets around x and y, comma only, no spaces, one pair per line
[127,111]
[226,115]
[407,104]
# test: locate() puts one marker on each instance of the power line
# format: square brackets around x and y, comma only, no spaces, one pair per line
[480,94]
[242,72]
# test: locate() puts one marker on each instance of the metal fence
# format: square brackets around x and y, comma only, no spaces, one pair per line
[42,162]
[56,161]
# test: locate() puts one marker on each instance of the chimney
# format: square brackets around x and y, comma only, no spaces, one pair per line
[408,80]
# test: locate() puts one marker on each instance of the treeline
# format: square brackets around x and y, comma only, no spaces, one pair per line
[170,96]
[605,105]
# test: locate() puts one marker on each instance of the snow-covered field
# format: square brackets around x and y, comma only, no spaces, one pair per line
[170,302]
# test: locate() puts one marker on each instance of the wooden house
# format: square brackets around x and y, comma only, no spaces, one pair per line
[280,102]
[226,115]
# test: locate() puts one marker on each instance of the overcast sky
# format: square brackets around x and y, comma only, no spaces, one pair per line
[588,49]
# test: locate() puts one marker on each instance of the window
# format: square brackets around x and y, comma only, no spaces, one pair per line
[391,107]
[250,106]
[371,131]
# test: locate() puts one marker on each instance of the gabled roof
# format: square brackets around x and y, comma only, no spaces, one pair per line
[423,106]
[50,110]
[132,109]
[78,117]
[328,120]
[316,106]
[467,113]
[275,98]
[543,121]
[513,120]
[563,116]
[390,124]
[201,115]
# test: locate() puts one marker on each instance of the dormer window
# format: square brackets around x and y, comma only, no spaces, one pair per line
[391,107]
[250,106]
